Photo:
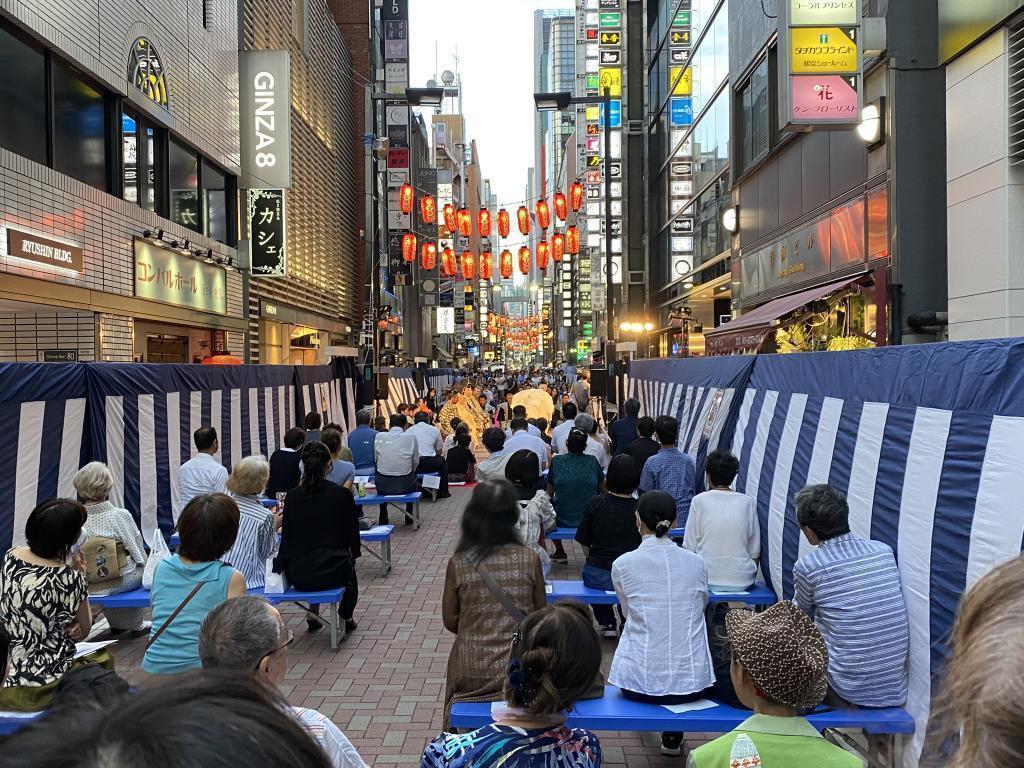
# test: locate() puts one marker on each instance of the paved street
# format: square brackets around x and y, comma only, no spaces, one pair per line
[385,685]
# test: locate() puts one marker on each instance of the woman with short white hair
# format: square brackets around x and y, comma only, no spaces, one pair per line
[257,525]
[93,484]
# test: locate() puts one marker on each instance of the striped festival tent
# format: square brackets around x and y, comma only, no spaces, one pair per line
[401,389]
[924,441]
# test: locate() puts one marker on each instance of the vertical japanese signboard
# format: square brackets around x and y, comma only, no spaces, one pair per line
[823,78]
[264,84]
[267,233]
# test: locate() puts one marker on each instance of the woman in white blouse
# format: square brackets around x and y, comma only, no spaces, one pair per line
[93,484]
[663,654]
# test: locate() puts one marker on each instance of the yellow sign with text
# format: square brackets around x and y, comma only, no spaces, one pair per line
[683,83]
[611,78]
[820,50]
[593,113]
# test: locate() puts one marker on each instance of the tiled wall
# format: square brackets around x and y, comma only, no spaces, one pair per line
[116,338]
[25,335]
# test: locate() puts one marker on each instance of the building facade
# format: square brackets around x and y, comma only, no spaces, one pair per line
[117,182]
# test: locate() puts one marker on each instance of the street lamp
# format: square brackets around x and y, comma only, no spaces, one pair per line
[414,97]
[560,101]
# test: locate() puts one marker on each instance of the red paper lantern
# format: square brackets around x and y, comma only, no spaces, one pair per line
[408,247]
[468,265]
[503,223]
[505,264]
[448,266]
[576,196]
[561,207]
[523,215]
[543,214]
[483,222]
[543,254]
[572,240]
[405,198]
[428,209]
[525,260]
[465,222]
[558,247]
[486,265]
[428,256]
[450,222]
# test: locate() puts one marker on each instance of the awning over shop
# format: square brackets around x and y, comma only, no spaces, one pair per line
[745,334]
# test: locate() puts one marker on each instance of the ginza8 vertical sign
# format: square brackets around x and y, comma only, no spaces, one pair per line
[265,103]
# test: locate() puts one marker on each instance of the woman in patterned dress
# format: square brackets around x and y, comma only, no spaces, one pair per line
[93,483]
[559,656]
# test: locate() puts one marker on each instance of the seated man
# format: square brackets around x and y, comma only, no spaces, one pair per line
[428,440]
[645,445]
[521,439]
[360,440]
[245,635]
[397,455]
[670,469]
[519,412]
[493,467]
[779,666]
[561,432]
[312,424]
[623,430]
[851,588]
[284,463]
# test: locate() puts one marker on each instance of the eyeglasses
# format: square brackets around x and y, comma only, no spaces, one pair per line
[290,639]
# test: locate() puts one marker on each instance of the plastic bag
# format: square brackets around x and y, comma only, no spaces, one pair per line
[158,553]
[274,583]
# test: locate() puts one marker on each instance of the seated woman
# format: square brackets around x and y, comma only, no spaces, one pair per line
[657,616]
[343,472]
[257,525]
[44,604]
[607,531]
[723,527]
[320,536]
[449,442]
[461,461]
[93,484]
[536,515]
[470,609]
[779,661]
[192,582]
[559,657]
[574,478]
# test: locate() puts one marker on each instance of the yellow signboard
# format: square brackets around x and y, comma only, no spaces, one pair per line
[803,12]
[684,86]
[818,50]
[611,78]
[593,113]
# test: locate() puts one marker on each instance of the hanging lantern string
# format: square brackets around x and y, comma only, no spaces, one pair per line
[510,206]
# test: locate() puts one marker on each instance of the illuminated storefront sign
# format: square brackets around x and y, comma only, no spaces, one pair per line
[146,71]
[162,274]
[43,250]
[264,80]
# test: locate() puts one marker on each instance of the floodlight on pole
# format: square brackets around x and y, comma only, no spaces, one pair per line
[552,102]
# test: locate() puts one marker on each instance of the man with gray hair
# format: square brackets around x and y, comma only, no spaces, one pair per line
[246,634]
[587,424]
[851,588]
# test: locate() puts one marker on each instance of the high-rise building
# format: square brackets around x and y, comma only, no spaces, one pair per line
[554,56]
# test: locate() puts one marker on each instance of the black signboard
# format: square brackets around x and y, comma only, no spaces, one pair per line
[60,355]
[267,233]
[394,10]
[397,266]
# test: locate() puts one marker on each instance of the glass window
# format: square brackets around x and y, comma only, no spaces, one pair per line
[23,91]
[79,140]
[183,177]
[754,116]
[215,209]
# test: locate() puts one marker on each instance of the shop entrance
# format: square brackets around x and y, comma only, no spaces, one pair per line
[165,348]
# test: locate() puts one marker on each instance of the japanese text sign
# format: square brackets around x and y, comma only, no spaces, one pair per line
[824,99]
[171,277]
[815,12]
[683,80]
[267,251]
[823,49]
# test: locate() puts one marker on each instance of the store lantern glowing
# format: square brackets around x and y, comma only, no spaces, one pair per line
[543,254]
[448,265]
[503,223]
[525,260]
[449,219]
[483,222]
[428,209]
[505,264]
[543,214]
[572,241]
[561,206]
[408,247]
[406,197]
[523,216]
[576,196]
[465,222]
[486,265]
[428,256]
[468,265]
[558,247]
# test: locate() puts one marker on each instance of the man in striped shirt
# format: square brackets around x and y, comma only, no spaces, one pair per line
[851,588]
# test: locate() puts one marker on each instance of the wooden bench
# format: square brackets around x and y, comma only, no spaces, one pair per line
[614,712]
[142,598]
[414,498]
[568,534]
[760,595]
[379,534]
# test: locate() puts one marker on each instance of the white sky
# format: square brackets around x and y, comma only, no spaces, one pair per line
[494,41]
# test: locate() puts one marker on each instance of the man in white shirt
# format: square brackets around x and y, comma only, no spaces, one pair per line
[521,439]
[431,448]
[202,473]
[247,636]
[397,456]
[561,432]
[519,412]
[586,424]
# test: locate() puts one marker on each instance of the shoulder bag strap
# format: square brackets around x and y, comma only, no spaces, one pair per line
[174,615]
[500,594]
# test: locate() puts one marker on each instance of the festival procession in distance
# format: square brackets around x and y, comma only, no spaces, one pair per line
[363,407]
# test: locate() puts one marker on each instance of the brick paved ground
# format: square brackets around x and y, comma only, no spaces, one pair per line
[384,687]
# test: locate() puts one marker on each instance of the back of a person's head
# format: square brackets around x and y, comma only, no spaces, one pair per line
[657,510]
[238,634]
[576,442]
[569,411]
[523,469]
[542,424]
[312,421]
[380,423]
[294,438]
[455,423]
[422,417]
[332,439]
[489,519]
[559,656]
[585,423]
[519,411]
[462,429]
[667,429]
[824,510]
[632,407]
[93,482]
[207,527]
[622,475]
[204,438]
[249,476]
[645,426]
[979,709]
[315,458]
[721,467]
[462,439]
[519,424]
[493,439]
[200,720]
[364,417]
[53,528]
[399,420]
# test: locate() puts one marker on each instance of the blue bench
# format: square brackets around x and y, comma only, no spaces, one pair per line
[614,712]
[379,534]
[760,595]
[15,721]
[371,474]
[568,534]
[141,598]
[414,498]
